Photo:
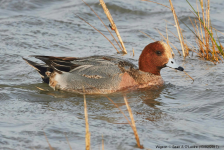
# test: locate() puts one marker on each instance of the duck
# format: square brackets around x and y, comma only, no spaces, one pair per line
[101,74]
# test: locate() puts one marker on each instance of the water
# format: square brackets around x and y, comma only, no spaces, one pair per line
[180,113]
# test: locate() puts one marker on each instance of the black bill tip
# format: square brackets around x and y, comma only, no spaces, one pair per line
[180,68]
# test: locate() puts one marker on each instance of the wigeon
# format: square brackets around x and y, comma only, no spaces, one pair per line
[105,74]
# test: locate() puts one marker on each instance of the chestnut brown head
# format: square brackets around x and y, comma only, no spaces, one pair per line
[156,56]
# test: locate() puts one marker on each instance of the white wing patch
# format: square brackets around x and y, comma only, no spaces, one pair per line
[81,68]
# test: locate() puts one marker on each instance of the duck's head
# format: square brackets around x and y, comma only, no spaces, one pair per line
[156,56]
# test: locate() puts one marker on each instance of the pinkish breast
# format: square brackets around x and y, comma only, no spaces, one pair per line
[127,81]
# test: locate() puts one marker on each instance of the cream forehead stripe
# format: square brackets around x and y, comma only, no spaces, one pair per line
[167,49]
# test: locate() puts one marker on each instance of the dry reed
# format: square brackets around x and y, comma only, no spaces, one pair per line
[87,139]
[133,52]
[98,31]
[177,24]
[203,31]
[122,47]
[157,3]
[163,38]
[147,35]
[208,47]
[166,39]
[51,148]
[119,109]
[102,143]
[188,75]
[103,24]
[68,142]
[168,42]
[114,27]
[49,145]
[41,89]
[132,123]
[178,27]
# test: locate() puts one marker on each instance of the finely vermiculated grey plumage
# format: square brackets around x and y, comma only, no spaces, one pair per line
[94,74]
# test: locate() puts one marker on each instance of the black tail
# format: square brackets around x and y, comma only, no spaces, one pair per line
[41,68]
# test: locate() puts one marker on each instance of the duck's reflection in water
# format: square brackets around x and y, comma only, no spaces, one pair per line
[145,103]
[150,97]
[148,104]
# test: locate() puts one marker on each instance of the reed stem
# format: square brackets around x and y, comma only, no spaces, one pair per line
[133,123]
[68,142]
[102,143]
[87,139]
[99,32]
[103,24]
[51,148]
[178,27]
[114,27]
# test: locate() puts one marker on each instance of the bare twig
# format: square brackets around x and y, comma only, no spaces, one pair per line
[98,31]
[147,35]
[188,75]
[167,41]
[104,25]
[157,3]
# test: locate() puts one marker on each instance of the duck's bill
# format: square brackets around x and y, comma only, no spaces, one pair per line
[172,64]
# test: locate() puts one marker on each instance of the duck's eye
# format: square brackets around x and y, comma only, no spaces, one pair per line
[158,53]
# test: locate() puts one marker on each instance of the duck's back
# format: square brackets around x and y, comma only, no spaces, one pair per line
[95,74]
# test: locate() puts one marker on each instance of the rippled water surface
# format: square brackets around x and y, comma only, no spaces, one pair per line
[179,113]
